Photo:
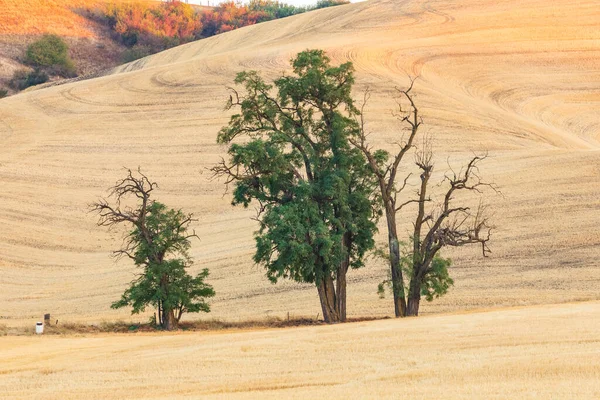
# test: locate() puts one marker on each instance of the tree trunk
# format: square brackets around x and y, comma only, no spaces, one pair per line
[169,320]
[160,314]
[329,300]
[414,297]
[340,284]
[397,278]
[333,294]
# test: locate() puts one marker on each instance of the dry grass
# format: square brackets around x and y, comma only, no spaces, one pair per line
[27,17]
[22,22]
[60,17]
[69,328]
[519,79]
[549,352]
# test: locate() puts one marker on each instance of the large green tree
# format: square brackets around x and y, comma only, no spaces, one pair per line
[158,243]
[289,152]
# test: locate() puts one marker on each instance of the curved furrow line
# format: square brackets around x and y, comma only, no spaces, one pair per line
[429,7]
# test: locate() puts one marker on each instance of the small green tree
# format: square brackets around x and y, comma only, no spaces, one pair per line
[317,199]
[158,243]
[435,281]
[50,53]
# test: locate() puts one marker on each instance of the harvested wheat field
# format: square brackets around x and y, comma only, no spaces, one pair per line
[509,354]
[517,79]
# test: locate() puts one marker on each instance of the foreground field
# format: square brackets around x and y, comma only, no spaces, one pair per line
[550,352]
[519,79]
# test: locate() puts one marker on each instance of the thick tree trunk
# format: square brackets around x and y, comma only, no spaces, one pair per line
[169,322]
[340,284]
[397,278]
[414,297]
[333,294]
[340,304]
[329,300]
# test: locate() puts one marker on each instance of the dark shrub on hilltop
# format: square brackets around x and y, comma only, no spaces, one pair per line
[51,54]
[136,52]
[330,3]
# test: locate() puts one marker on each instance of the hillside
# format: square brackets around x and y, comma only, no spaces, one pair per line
[92,43]
[60,17]
[468,356]
[519,79]
[25,21]
[37,17]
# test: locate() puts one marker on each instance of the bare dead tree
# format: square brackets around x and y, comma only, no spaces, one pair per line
[445,224]
[434,228]
[386,171]
[111,215]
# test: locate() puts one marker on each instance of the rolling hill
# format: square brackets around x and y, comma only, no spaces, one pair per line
[517,79]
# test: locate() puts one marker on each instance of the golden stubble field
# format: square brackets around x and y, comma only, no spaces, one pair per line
[539,352]
[519,79]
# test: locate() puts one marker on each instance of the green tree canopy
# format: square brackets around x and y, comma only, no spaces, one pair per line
[158,242]
[316,197]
